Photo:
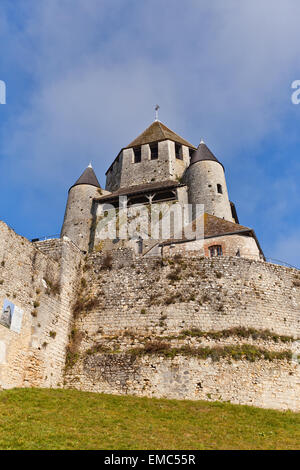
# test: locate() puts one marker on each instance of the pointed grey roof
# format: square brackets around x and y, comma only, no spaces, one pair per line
[157,132]
[88,177]
[203,153]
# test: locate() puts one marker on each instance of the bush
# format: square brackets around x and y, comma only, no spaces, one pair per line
[107,261]
[84,305]
[239,352]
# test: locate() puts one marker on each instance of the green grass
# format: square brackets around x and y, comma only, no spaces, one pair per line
[69,419]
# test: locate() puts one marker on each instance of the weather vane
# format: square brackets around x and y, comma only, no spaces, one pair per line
[156,112]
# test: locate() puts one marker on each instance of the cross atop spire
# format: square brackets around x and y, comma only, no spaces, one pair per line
[156,111]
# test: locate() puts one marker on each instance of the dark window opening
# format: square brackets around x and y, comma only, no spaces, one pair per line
[139,199]
[215,250]
[191,151]
[137,154]
[178,151]
[164,196]
[219,189]
[154,151]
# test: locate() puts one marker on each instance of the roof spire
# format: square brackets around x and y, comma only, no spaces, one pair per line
[156,111]
[88,177]
[90,165]
[202,141]
[203,153]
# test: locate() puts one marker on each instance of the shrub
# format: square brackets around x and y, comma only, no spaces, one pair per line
[83,305]
[174,275]
[107,261]
[97,349]
[170,300]
[205,298]
[72,355]
[53,287]
[239,352]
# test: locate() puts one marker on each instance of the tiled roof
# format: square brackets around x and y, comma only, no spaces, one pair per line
[141,188]
[88,177]
[216,226]
[156,132]
[203,153]
[213,227]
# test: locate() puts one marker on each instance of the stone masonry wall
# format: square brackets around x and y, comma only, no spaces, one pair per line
[130,304]
[44,288]
[230,245]
[179,327]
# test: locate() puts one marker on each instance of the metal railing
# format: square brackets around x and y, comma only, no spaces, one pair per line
[48,237]
[281,263]
[270,260]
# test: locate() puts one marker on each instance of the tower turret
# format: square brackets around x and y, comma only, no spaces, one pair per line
[206,182]
[78,214]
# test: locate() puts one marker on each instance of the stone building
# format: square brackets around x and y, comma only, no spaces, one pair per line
[160,167]
[193,315]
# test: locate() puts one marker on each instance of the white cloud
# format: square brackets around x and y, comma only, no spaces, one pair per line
[220,70]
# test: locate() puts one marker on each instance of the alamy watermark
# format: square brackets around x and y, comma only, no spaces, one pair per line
[296,94]
[159,221]
[296,352]
[2,92]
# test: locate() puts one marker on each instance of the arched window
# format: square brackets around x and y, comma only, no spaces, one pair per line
[215,250]
[219,189]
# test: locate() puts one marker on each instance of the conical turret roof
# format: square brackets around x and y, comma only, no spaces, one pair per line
[203,153]
[156,132]
[88,177]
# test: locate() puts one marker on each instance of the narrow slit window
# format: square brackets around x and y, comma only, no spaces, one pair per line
[219,189]
[154,151]
[191,151]
[137,154]
[178,151]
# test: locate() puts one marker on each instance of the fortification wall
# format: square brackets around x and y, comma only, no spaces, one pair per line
[207,293]
[158,329]
[178,327]
[43,289]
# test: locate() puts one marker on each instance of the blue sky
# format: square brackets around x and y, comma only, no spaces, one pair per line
[83,77]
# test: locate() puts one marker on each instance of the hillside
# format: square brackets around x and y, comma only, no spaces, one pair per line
[69,419]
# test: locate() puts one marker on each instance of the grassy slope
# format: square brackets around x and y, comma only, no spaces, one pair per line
[68,419]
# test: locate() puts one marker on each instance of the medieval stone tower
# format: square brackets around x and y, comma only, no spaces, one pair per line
[159,166]
[77,219]
[206,183]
